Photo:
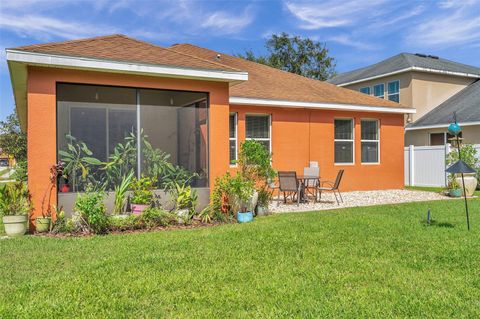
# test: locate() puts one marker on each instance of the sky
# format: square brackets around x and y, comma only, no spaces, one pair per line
[356,32]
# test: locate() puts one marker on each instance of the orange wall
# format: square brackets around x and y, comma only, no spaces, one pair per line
[298,135]
[302,135]
[42,119]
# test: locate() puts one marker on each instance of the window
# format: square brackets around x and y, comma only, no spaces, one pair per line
[134,130]
[379,90]
[344,141]
[233,138]
[365,90]
[394,91]
[437,139]
[370,141]
[258,129]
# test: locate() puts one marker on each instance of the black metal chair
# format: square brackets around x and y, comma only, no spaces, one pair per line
[288,185]
[334,187]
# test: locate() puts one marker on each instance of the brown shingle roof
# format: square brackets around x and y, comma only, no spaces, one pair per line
[118,47]
[265,82]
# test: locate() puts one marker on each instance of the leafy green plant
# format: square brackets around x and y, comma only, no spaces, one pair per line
[255,161]
[62,224]
[91,212]
[264,197]
[142,190]
[15,199]
[131,222]
[154,217]
[206,215]
[78,162]
[185,197]
[121,191]
[231,194]
[452,182]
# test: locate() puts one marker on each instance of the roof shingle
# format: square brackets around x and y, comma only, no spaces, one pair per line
[265,82]
[403,61]
[119,47]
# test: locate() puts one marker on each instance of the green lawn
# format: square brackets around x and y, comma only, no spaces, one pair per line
[360,262]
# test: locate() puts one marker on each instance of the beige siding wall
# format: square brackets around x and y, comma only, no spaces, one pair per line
[429,90]
[471,135]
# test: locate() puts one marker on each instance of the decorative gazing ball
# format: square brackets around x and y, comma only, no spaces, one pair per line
[454,129]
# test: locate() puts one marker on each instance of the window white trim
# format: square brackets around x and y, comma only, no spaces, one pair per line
[344,140]
[373,93]
[56,60]
[366,87]
[269,139]
[235,100]
[235,114]
[398,93]
[377,141]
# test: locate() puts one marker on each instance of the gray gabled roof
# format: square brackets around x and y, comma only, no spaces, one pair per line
[465,103]
[404,61]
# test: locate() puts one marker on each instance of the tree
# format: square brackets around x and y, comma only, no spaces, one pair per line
[297,55]
[14,142]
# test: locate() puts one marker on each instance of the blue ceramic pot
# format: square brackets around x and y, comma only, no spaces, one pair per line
[455,192]
[244,217]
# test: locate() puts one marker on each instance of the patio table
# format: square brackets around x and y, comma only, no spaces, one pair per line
[303,181]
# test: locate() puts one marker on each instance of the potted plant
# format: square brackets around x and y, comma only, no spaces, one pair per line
[142,194]
[454,189]
[120,196]
[43,223]
[264,197]
[185,201]
[241,197]
[15,205]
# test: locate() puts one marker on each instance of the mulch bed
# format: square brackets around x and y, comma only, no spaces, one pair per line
[194,224]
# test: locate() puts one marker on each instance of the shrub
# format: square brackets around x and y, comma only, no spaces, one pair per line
[185,197]
[91,212]
[142,191]
[15,199]
[231,194]
[255,161]
[469,155]
[131,222]
[62,224]
[153,217]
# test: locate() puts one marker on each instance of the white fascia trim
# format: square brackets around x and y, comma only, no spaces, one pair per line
[121,66]
[413,68]
[313,105]
[425,127]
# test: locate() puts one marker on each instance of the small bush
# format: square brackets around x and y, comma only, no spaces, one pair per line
[91,212]
[153,217]
[131,222]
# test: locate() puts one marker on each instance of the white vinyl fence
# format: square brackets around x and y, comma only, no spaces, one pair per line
[425,165]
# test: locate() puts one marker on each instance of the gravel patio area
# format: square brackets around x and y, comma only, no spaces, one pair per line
[359,198]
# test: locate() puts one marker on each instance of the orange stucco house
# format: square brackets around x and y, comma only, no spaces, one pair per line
[196,105]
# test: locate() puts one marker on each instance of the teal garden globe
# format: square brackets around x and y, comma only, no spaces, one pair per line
[454,129]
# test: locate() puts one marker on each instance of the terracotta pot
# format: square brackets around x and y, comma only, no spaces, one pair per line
[137,209]
[470,183]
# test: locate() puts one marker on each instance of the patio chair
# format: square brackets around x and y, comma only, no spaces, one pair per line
[310,184]
[288,185]
[332,187]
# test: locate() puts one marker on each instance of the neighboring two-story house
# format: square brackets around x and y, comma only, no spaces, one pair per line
[435,87]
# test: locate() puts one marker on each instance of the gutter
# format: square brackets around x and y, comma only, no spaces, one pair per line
[433,126]
[313,105]
[412,68]
[53,60]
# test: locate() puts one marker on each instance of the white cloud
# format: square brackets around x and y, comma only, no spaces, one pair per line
[458,24]
[350,41]
[45,28]
[228,23]
[328,14]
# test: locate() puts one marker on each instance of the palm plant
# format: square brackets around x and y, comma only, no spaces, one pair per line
[120,192]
